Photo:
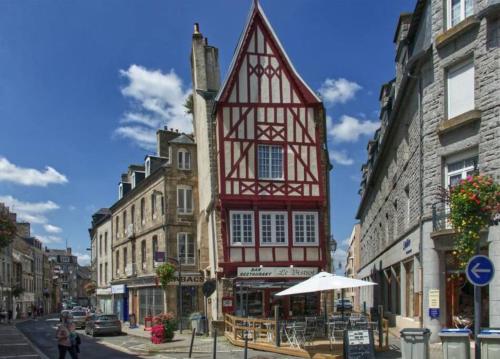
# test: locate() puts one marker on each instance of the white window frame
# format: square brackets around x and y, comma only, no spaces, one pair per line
[453,70]
[463,16]
[183,156]
[184,190]
[273,228]
[316,224]
[469,155]
[242,244]
[270,163]
[185,236]
[147,166]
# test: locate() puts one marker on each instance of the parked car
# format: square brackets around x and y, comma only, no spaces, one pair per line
[346,304]
[62,313]
[103,324]
[79,318]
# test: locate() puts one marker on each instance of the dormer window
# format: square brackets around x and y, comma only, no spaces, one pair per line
[120,190]
[184,159]
[459,10]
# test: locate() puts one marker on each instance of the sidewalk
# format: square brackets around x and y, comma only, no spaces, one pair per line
[14,344]
[180,343]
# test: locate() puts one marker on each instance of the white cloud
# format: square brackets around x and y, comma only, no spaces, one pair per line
[83,258]
[340,90]
[350,129]
[33,212]
[339,258]
[72,208]
[49,228]
[9,172]
[157,99]
[49,239]
[341,157]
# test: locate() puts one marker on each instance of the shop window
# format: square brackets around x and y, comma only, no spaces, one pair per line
[460,89]
[184,199]
[270,162]
[242,227]
[305,228]
[273,228]
[185,248]
[302,305]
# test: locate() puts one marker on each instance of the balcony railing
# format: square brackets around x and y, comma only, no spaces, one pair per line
[440,217]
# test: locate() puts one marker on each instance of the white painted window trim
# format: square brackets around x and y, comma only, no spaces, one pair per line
[241,244]
[270,163]
[181,164]
[184,211]
[462,13]
[306,244]
[273,242]
[457,158]
[185,237]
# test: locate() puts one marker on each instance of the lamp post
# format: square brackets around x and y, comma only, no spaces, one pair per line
[179,295]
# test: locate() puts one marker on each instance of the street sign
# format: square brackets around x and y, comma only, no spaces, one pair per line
[480,270]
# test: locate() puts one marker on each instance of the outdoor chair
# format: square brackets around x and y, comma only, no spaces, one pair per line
[336,331]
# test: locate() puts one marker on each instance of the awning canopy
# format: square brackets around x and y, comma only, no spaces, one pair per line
[324,281]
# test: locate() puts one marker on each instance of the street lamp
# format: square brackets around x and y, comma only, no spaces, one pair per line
[179,295]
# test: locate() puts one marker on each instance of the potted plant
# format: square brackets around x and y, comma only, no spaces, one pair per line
[163,329]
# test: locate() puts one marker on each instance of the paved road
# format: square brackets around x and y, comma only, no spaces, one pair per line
[42,334]
[14,345]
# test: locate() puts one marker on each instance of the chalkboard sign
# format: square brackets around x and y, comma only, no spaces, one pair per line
[358,344]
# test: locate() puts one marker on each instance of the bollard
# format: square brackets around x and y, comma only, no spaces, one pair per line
[380,326]
[192,342]
[245,351]
[214,350]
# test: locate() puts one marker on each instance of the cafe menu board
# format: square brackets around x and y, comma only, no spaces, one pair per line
[358,344]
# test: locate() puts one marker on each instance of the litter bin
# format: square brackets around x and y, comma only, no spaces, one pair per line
[456,343]
[198,323]
[415,343]
[490,343]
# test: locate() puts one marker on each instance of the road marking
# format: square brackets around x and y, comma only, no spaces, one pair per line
[20,356]
[12,344]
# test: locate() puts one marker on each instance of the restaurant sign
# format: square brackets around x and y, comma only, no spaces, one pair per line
[276,272]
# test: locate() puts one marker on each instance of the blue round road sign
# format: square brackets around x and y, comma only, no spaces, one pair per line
[480,270]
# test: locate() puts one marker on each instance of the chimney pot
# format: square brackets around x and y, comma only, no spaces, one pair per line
[196,28]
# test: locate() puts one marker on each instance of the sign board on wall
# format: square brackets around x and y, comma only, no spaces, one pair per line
[434,303]
[118,289]
[187,279]
[276,272]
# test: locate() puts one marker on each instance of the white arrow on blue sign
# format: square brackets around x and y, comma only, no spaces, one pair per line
[480,270]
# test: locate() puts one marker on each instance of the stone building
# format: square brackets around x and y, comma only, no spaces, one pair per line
[155,220]
[37,268]
[439,123]
[65,267]
[23,282]
[102,259]
[263,175]
[6,267]
[352,267]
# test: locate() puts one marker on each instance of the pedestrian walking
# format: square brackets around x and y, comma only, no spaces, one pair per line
[9,315]
[63,335]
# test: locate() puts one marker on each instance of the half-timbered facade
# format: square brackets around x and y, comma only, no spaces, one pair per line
[267,138]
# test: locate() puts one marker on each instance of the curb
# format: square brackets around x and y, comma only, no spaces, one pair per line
[33,346]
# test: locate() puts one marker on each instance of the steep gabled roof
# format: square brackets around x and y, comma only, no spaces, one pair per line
[257,13]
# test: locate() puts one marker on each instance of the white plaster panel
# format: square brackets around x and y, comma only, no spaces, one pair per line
[281,254]
[265,254]
[297,254]
[235,255]
[312,254]
[249,254]
[243,93]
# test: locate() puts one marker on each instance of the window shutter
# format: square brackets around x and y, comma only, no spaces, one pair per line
[460,89]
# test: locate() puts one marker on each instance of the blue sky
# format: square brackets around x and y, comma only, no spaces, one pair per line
[83,84]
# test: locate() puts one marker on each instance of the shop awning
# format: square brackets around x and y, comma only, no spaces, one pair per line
[324,281]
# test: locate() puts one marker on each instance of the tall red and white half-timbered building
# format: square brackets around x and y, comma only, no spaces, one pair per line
[265,162]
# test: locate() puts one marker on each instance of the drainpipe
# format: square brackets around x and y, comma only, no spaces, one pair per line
[421,189]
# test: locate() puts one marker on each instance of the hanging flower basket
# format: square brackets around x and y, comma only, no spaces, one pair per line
[474,205]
